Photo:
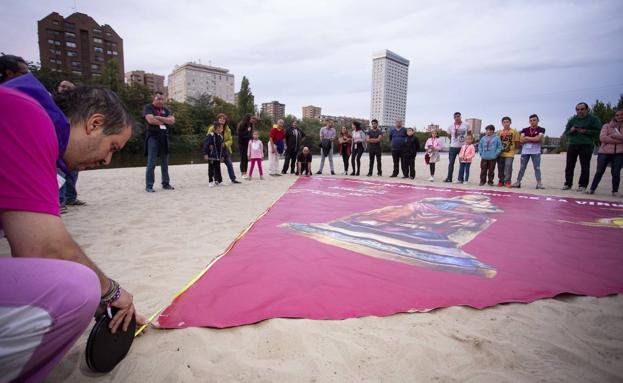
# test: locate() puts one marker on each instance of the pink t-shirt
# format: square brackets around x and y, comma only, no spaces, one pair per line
[28,155]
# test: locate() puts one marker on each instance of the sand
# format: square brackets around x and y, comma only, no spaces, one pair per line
[153,244]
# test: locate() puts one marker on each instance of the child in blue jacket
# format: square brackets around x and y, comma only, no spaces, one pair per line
[489,149]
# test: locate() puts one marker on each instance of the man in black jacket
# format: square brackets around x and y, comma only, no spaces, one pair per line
[294,137]
[409,150]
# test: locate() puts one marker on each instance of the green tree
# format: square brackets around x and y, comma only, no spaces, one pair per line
[246,100]
[604,112]
[110,76]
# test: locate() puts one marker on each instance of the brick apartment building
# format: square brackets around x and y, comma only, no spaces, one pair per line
[78,45]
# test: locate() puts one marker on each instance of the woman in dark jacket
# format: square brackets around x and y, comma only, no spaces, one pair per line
[345,141]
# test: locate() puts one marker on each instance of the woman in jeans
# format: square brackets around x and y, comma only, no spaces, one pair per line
[358,142]
[610,152]
[344,145]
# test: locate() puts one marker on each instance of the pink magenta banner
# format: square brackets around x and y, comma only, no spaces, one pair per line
[336,248]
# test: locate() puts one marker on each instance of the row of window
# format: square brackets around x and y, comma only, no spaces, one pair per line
[69,25]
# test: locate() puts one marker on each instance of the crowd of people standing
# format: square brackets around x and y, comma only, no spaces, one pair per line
[495,148]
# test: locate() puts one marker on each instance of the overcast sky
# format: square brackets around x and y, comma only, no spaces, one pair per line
[485,59]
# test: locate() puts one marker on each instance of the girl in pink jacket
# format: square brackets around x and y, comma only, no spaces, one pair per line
[468,151]
[255,153]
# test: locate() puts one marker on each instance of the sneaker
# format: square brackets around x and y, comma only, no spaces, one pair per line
[490,183]
[64,209]
[369,175]
[457,182]
[481,184]
[352,173]
[565,187]
[540,186]
[150,190]
[76,202]
[244,176]
[380,174]
[517,185]
[235,182]
[500,183]
[404,177]
[581,189]
[447,180]
[168,187]
[296,174]
[211,185]
[284,172]
[393,175]
[508,184]
[431,178]
[277,175]
[318,172]
[332,173]
[590,191]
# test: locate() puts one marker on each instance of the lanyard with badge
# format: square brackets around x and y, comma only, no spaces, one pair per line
[159,112]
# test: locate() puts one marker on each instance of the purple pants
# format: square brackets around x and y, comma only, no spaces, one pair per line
[45,305]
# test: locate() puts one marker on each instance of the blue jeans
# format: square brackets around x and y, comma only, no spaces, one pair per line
[68,192]
[153,147]
[536,164]
[464,171]
[229,165]
[505,168]
[616,162]
[454,152]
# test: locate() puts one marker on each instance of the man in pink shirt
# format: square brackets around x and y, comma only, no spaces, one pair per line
[49,289]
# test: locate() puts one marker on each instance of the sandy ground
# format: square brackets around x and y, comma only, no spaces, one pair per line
[155,243]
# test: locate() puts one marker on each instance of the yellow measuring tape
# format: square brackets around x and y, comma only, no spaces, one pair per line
[195,279]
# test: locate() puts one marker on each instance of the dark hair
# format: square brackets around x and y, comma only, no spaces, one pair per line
[81,102]
[357,125]
[533,116]
[585,105]
[158,93]
[506,118]
[9,63]
[490,127]
[456,114]
[244,123]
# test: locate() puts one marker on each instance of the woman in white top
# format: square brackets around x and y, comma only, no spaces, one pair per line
[358,142]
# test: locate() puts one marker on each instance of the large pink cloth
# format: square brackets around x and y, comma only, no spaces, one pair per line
[358,248]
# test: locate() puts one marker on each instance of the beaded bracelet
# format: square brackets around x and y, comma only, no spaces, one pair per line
[114,293]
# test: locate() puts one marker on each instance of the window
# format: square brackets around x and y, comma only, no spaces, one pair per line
[98,50]
[108,34]
[70,34]
[97,31]
[50,41]
[97,40]
[72,54]
[76,72]
[114,53]
[113,45]
[96,75]
[108,52]
[70,44]
[99,58]
[55,22]
[75,64]
[95,67]
[56,42]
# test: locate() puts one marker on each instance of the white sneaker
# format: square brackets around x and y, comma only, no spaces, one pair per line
[211,185]
[216,183]
[245,176]
[431,178]
[581,189]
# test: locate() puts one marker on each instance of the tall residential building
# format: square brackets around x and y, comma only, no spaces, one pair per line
[193,80]
[312,112]
[78,45]
[390,73]
[475,125]
[274,109]
[154,82]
